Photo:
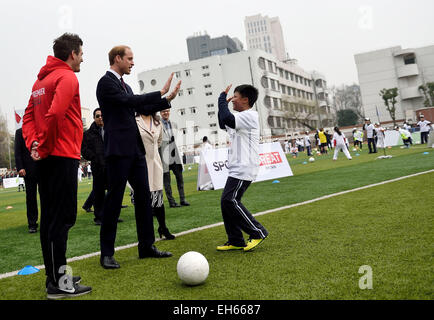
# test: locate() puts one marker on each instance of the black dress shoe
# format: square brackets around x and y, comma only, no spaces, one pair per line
[87,209]
[153,252]
[123,207]
[184,203]
[33,229]
[120,220]
[97,222]
[174,205]
[109,262]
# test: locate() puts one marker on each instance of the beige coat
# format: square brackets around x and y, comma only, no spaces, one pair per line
[151,141]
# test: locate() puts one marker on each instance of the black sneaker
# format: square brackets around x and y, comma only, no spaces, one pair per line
[75,280]
[57,293]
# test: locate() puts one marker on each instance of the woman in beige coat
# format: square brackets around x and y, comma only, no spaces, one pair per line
[151,132]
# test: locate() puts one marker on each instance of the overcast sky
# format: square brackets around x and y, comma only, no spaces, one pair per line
[322,35]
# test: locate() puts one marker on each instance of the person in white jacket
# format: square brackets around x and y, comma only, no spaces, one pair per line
[340,143]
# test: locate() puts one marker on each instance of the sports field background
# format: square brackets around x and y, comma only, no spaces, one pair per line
[314,251]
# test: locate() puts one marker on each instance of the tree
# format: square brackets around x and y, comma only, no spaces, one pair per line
[348,97]
[428,92]
[347,117]
[389,98]
[6,145]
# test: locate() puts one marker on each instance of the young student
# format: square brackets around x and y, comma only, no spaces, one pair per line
[405,135]
[340,143]
[243,164]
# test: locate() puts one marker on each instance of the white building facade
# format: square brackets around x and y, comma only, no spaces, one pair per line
[266,34]
[286,103]
[405,69]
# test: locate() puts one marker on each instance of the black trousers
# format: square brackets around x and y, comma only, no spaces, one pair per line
[177,170]
[120,170]
[309,150]
[31,182]
[99,185]
[58,194]
[90,200]
[372,145]
[236,217]
[424,137]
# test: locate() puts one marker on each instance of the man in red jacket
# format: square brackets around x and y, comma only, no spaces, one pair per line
[53,131]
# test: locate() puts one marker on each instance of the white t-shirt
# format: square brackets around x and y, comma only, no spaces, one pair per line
[424,125]
[369,130]
[340,139]
[306,141]
[243,157]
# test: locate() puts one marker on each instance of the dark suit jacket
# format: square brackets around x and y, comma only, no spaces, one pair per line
[23,160]
[92,148]
[118,108]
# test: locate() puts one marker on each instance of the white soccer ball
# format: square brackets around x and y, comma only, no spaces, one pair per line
[354,149]
[311,159]
[192,268]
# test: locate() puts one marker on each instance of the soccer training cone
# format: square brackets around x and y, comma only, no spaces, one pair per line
[28,270]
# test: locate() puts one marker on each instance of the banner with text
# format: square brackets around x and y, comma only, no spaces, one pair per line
[213,166]
[12,182]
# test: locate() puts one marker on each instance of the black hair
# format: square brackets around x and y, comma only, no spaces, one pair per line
[248,91]
[337,131]
[205,139]
[65,44]
[94,112]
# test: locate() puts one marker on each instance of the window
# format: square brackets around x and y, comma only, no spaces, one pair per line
[281,73]
[205,67]
[187,73]
[180,93]
[184,131]
[207,86]
[181,112]
[206,74]
[271,121]
[178,74]
[211,105]
[261,63]
[211,114]
[212,125]
[409,59]
[287,75]
[196,128]
[283,88]
[276,103]
[292,76]
[267,101]
[208,93]
[193,110]
[190,91]
[264,82]
[270,66]
[214,132]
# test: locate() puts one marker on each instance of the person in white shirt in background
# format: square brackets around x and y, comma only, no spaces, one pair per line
[370,135]
[405,135]
[294,148]
[205,144]
[307,144]
[340,143]
[299,144]
[406,126]
[425,127]
[287,146]
[358,138]
[381,142]
[79,173]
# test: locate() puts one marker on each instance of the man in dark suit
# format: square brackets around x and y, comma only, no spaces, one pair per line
[26,168]
[125,154]
[92,149]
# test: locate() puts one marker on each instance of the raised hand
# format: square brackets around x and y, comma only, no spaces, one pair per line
[173,94]
[167,85]
[226,91]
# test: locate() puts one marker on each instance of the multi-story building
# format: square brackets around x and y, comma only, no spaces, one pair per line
[405,69]
[202,46]
[287,100]
[265,33]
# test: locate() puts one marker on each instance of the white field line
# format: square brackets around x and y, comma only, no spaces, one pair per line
[86,256]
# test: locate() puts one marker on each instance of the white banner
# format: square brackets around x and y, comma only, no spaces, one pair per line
[213,166]
[12,182]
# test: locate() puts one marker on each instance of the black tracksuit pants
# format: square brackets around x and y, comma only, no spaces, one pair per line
[31,182]
[58,193]
[236,217]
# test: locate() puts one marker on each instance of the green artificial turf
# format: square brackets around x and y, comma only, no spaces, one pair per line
[313,252]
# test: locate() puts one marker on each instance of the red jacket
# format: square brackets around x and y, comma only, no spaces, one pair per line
[53,115]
